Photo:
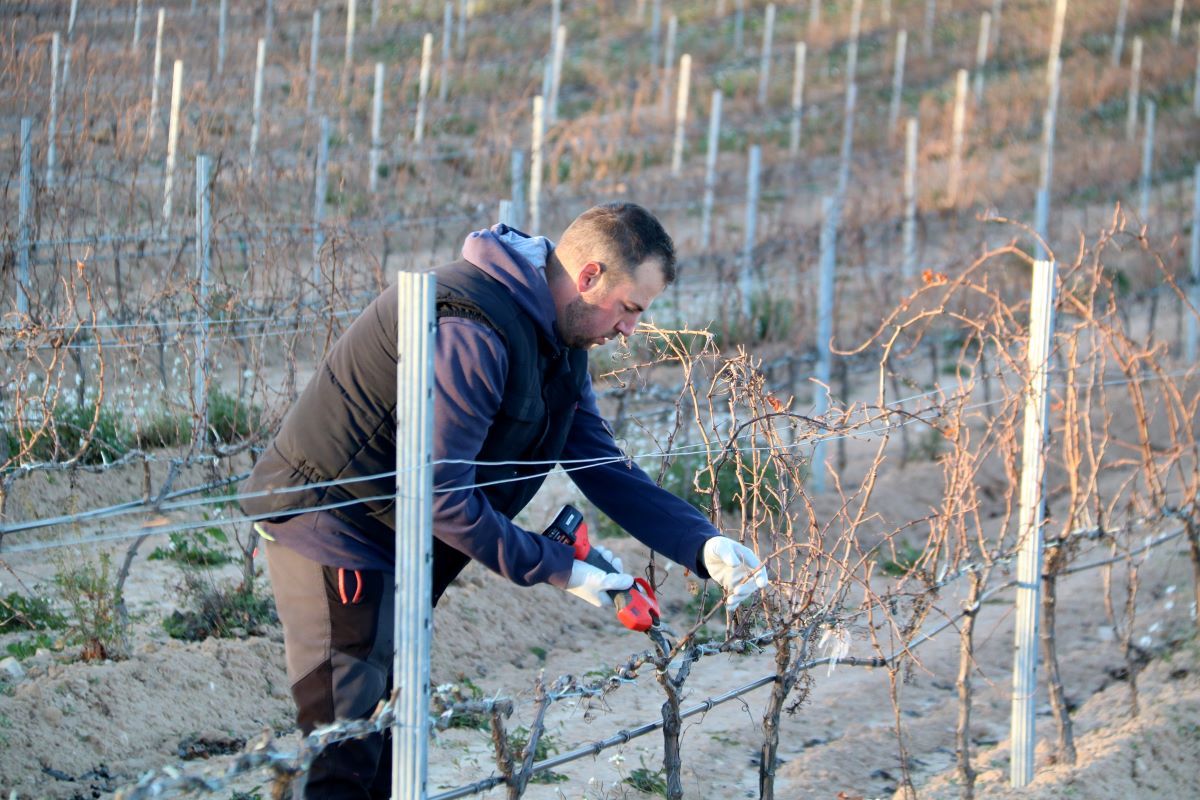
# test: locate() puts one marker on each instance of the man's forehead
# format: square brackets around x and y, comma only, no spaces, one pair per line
[645,282]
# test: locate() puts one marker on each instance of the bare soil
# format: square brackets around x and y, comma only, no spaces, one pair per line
[72,729]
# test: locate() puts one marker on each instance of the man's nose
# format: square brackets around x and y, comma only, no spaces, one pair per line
[625,325]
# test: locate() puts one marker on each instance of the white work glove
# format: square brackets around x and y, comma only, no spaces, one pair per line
[735,567]
[593,584]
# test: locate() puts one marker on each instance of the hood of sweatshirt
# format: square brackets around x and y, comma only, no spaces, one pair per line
[518,261]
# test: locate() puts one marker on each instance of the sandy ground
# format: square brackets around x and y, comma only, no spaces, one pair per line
[83,730]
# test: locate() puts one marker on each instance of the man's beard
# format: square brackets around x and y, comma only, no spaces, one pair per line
[575,324]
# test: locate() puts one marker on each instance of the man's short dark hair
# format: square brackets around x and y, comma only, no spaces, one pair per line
[621,235]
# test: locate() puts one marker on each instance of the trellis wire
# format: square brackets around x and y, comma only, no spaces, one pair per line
[163,506]
[151,785]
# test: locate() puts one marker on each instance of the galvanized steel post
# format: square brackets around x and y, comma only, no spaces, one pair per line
[764,59]
[172,143]
[152,122]
[1031,515]
[797,99]
[203,265]
[24,216]
[746,280]
[909,248]
[52,121]
[376,130]
[535,166]
[981,53]
[897,80]
[260,63]
[829,223]
[681,108]
[319,182]
[1194,290]
[423,86]
[517,179]
[414,532]
[1147,162]
[710,169]
[314,50]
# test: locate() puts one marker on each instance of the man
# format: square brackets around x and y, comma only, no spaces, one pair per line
[516,317]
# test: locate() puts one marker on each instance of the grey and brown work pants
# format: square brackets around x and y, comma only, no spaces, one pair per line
[337,632]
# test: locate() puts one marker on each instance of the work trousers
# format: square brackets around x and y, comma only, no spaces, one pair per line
[337,633]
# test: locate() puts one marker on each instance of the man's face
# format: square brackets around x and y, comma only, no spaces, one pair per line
[609,303]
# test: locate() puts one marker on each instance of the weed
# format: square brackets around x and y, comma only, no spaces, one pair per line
[929,446]
[224,612]
[464,690]
[907,557]
[688,477]
[540,652]
[230,419]
[66,435]
[94,598]
[164,429]
[196,549]
[647,781]
[771,319]
[25,648]
[19,613]
[518,740]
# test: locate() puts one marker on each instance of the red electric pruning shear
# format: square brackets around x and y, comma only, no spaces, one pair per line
[637,606]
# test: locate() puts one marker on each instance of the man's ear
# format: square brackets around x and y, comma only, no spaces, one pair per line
[589,276]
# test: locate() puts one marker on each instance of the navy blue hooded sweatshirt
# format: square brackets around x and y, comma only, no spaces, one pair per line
[470,369]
